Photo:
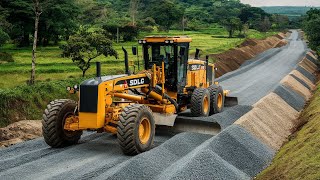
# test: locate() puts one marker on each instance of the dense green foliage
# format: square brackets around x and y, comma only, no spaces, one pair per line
[294,14]
[287,10]
[60,19]
[312,28]
[28,102]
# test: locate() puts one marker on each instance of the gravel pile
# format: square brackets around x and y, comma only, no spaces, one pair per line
[308,65]
[232,154]
[307,74]
[301,82]
[271,120]
[293,84]
[150,164]
[311,57]
[294,99]
[300,76]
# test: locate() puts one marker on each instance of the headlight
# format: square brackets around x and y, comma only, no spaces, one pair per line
[75,86]
[144,41]
[166,41]
[68,88]
[171,42]
[140,41]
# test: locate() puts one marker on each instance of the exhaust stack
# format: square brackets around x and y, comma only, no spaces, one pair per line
[98,69]
[197,54]
[126,61]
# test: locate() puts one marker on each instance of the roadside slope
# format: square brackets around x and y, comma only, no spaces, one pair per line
[300,157]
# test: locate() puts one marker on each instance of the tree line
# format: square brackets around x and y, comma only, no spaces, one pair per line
[60,19]
[311,26]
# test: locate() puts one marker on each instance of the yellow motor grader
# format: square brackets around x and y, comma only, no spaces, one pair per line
[131,105]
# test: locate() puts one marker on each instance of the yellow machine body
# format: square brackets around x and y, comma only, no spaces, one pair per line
[102,99]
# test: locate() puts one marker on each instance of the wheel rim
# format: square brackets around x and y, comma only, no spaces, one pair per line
[220,100]
[206,104]
[144,130]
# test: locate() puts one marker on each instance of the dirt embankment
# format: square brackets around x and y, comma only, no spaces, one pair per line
[19,132]
[234,58]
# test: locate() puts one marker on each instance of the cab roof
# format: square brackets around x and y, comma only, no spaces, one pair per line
[161,39]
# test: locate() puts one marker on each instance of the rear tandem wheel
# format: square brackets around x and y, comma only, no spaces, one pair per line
[217,99]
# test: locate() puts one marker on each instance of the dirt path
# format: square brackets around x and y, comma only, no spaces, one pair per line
[174,157]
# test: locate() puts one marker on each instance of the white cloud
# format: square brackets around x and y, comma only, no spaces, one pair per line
[282,2]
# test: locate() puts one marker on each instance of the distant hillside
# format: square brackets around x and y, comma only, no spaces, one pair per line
[287,10]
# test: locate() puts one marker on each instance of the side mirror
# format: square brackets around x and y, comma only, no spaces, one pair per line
[182,51]
[134,50]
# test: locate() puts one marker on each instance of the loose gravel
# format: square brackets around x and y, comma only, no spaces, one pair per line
[307,74]
[294,99]
[293,84]
[313,59]
[301,82]
[303,78]
[152,163]
[271,120]
[232,154]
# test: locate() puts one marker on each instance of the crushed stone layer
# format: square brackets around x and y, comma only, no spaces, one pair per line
[312,57]
[294,99]
[234,152]
[309,65]
[307,74]
[94,154]
[271,120]
[295,85]
[301,82]
[237,152]
[300,76]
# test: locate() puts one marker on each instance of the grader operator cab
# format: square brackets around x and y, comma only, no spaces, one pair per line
[131,105]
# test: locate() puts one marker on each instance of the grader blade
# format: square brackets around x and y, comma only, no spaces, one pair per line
[164,119]
[200,125]
[230,101]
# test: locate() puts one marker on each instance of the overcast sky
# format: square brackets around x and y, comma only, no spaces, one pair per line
[282,2]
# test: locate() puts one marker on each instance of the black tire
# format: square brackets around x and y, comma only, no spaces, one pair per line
[198,105]
[128,129]
[53,124]
[215,92]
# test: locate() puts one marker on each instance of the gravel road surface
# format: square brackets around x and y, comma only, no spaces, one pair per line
[233,153]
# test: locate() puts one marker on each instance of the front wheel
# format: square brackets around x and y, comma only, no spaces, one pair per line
[53,121]
[136,129]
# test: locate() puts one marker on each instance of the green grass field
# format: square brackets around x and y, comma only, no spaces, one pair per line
[51,66]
